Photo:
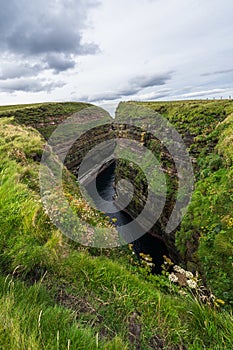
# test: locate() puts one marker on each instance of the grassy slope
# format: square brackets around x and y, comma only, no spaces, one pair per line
[58,295]
[44,117]
[209,219]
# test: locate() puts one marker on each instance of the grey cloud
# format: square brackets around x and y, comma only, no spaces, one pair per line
[44,26]
[143,81]
[224,71]
[47,31]
[133,87]
[28,85]
[154,95]
[197,94]
[14,70]
[57,39]
[107,96]
[59,62]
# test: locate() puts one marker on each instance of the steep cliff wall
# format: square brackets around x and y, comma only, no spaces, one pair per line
[125,169]
[204,240]
[47,117]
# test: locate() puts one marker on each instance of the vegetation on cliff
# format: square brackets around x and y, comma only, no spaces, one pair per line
[56,294]
[205,238]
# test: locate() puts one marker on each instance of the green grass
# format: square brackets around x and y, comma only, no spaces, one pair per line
[44,117]
[56,294]
[30,319]
[195,120]
[17,107]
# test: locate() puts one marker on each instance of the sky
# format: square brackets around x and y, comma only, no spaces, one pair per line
[107,51]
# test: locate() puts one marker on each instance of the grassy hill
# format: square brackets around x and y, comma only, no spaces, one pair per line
[56,294]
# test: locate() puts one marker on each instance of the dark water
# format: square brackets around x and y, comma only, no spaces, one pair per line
[147,244]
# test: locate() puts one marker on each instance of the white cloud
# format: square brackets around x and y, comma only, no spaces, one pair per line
[138,41]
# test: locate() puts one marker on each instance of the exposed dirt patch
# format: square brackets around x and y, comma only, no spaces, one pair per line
[71,301]
[135,328]
[159,343]
[81,307]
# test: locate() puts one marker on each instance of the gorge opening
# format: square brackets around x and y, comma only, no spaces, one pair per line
[147,244]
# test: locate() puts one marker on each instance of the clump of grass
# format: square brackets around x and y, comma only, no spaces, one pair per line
[29,319]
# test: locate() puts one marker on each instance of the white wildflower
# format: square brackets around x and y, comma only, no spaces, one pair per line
[192,284]
[179,269]
[182,292]
[172,277]
[150,264]
[188,274]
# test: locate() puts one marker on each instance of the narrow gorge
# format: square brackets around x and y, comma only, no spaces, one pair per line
[200,124]
[81,290]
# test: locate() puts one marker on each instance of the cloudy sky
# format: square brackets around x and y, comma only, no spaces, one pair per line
[106,51]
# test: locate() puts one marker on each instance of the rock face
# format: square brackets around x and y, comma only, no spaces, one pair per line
[87,142]
[127,170]
[199,124]
[164,191]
